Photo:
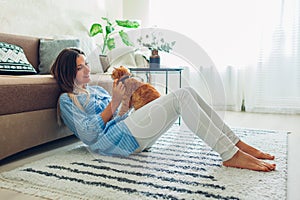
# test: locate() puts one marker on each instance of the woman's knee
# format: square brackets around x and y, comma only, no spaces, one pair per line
[183,96]
[190,89]
[182,93]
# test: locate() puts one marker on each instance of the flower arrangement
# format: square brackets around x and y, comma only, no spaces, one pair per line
[155,41]
[108,28]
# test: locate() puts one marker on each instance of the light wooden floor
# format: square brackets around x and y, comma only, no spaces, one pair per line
[289,123]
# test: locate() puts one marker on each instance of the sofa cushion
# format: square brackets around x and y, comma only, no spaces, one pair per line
[125,56]
[13,60]
[49,50]
[141,61]
[27,93]
[92,52]
[121,57]
[37,92]
[30,45]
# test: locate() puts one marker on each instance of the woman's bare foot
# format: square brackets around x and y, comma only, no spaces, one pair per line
[254,152]
[246,161]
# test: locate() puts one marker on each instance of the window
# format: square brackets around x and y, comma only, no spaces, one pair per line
[258,39]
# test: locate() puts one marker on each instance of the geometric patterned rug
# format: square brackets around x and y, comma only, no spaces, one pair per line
[178,166]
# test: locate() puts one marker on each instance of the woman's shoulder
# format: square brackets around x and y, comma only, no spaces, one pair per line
[64,97]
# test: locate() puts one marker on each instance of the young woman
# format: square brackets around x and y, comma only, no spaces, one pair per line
[91,114]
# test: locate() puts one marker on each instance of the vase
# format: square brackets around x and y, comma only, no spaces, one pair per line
[104,62]
[154,59]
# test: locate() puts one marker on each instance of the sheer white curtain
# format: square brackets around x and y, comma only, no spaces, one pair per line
[254,44]
[278,71]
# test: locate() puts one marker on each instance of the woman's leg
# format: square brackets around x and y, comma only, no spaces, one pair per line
[149,122]
[216,119]
[213,115]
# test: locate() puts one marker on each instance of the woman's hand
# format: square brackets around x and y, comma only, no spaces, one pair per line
[117,95]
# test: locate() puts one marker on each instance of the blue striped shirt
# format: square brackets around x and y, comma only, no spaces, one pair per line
[112,138]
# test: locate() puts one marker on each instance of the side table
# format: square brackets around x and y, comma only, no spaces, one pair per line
[166,71]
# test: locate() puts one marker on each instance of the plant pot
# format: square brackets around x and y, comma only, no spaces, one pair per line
[104,62]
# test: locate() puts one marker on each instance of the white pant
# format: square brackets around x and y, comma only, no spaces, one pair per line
[149,122]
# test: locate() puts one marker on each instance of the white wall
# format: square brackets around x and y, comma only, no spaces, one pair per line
[114,8]
[49,17]
[137,10]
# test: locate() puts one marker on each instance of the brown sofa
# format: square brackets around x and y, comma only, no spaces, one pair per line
[28,103]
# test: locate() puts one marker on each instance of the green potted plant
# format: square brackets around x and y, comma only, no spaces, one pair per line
[109,28]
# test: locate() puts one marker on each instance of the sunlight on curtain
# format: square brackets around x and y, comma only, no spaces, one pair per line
[227,30]
[278,72]
[253,43]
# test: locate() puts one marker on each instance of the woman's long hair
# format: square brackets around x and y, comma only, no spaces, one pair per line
[64,70]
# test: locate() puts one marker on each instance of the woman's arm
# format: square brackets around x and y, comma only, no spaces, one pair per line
[118,92]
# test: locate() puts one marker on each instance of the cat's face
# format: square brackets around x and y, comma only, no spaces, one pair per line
[119,72]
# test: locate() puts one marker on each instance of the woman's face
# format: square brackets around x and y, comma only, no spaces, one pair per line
[83,71]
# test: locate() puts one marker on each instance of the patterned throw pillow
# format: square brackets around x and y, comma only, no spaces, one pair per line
[13,60]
